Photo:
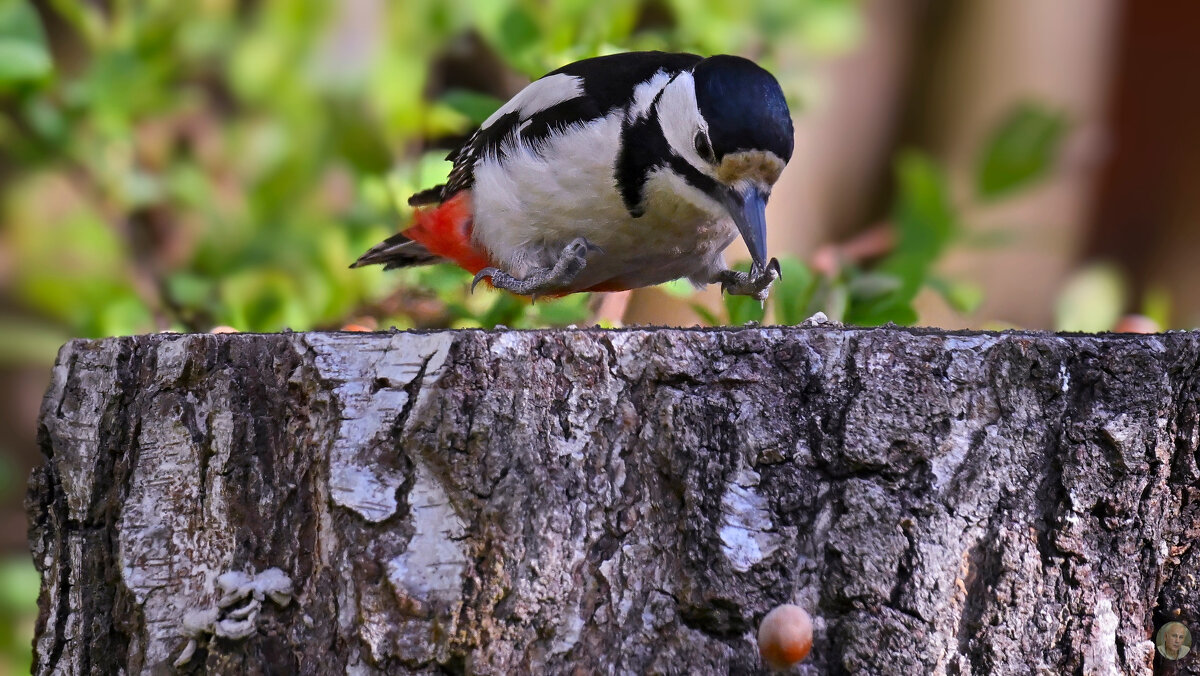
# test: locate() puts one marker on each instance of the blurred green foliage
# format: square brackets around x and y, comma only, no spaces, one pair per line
[18,611]
[1096,298]
[23,53]
[181,165]
[186,165]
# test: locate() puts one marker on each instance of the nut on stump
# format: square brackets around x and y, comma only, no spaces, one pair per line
[785,636]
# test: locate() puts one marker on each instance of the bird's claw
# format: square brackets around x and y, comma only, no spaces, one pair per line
[756,283]
[485,273]
[774,265]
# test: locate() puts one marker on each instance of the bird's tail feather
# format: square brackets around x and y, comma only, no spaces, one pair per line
[438,234]
[396,251]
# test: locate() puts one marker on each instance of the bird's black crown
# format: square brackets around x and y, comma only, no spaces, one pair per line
[744,107]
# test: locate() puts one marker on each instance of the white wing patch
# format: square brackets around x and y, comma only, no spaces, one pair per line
[538,96]
[643,95]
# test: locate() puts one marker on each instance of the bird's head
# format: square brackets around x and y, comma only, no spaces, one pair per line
[728,122]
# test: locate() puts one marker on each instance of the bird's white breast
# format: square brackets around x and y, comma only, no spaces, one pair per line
[531,202]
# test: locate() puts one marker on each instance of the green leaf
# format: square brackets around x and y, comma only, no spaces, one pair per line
[119,85]
[926,222]
[924,215]
[23,53]
[1020,151]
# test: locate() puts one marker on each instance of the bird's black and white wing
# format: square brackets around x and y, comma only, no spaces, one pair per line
[572,95]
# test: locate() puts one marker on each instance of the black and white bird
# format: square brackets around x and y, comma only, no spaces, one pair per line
[608,174]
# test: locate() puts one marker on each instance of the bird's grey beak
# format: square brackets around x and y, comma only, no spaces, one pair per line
[749,210]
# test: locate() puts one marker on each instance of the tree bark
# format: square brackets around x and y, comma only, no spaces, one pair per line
[587,501]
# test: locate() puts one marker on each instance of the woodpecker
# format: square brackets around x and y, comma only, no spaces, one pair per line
[611,173]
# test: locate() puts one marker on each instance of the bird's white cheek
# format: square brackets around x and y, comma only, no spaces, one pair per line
[670,196]
[679,117]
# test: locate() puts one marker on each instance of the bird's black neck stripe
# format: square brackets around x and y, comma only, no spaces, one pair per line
[644,148]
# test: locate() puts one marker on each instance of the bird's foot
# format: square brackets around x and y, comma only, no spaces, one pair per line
[756,283]
[542,281]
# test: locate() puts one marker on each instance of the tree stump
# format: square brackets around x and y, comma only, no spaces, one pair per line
[628,502]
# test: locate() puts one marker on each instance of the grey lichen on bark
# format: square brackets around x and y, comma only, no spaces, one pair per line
[588,501]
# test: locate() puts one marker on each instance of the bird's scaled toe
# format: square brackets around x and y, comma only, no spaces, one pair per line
[580,247]
[756,284]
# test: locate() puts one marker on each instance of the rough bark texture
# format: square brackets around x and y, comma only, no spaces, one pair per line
[617,501]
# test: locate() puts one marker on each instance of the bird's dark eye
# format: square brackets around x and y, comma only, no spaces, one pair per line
[704,148]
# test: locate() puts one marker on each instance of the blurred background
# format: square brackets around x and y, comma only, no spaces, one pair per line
[186,165]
